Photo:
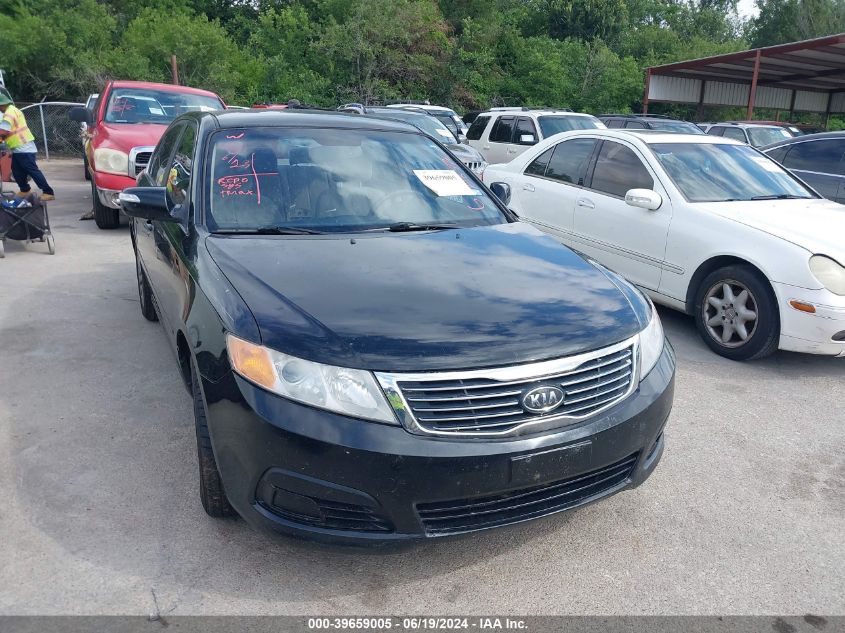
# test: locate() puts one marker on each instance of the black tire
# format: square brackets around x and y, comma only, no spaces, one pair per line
[212,494]
[145,293]
[763,332]
[85,167]
[105,217]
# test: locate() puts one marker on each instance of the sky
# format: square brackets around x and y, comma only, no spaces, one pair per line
[746,8]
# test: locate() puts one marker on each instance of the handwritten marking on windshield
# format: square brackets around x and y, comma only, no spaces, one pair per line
[236,136]
[257,183]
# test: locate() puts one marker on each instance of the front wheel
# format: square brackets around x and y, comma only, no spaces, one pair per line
[145,293]
[105,217]
[212,494]
[736,313]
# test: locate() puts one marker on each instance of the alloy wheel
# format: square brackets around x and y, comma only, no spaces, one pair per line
[730,313]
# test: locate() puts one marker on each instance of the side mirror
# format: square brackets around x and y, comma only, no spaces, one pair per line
[502,191]
[462,138]
[643,199]
[81,115]
[147,203]
[527,139]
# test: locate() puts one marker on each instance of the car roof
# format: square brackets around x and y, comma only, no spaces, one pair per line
[653,136]
[302,118]
[397,106]
[149,85]
[746,124]
[807,137]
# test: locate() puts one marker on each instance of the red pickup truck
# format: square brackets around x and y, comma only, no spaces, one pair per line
[124,126]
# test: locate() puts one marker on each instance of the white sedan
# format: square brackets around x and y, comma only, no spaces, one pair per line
[702,224]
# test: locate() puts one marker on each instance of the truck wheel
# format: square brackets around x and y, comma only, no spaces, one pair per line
[213,497]
[105,217]
[736,313]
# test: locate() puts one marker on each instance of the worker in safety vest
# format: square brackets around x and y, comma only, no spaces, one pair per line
[20,141]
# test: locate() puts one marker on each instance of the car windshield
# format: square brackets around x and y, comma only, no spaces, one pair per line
[765,135]
[336,180]
[551,125]
[428,124]
[715,172]
[137,105]
[682,127]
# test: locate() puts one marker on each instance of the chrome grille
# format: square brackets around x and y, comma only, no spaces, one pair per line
[474,166]
[139,158]
[490,402]
[141,161]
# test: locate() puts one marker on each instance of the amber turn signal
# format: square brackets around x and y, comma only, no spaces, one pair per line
[802,307]
[251,361]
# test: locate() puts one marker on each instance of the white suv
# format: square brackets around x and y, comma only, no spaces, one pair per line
[502,134]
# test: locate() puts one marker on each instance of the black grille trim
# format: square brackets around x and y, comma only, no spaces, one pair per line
[466,515]
[337,516]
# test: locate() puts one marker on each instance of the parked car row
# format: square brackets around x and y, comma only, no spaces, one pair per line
[380,347]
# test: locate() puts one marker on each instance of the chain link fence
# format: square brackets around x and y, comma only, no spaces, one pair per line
[55,134]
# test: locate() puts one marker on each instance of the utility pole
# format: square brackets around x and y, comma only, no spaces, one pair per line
[174,70]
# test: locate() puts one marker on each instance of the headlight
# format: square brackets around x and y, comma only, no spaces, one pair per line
[111,161]
[352,392]
[651,343]
[830,273]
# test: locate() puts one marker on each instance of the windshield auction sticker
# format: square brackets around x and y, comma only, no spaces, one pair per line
[444,182]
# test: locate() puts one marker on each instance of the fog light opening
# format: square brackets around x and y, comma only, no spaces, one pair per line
[803,307]
[838,337]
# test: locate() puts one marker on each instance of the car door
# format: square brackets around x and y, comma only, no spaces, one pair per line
[524,128]
[143,230]
[495,150]
[552,183]
[819,164]
[627,239]
[168,271]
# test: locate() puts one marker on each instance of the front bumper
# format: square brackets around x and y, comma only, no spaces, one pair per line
[813,333]
[109,187]
[292,469]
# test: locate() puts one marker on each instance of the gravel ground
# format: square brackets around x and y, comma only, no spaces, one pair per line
[101,514]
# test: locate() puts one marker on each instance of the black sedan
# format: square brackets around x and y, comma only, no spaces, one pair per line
[376,348]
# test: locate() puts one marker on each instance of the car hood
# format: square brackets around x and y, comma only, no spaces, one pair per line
[465,153]
[125,136]
[816,225]
[455,299]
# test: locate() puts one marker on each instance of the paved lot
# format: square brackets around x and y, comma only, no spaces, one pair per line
[100,511]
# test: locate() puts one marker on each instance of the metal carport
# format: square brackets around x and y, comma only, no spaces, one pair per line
[807,76]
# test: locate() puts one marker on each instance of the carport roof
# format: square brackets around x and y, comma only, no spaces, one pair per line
[817,64]
[812,70]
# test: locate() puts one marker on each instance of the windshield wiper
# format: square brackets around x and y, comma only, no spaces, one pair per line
[287,230]
[270,230]
[779,196]
[402,227]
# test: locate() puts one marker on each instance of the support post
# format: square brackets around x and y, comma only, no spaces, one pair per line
[699,113]
[174,70]
[792,107]
[827,110]
[752,94]
[645,90]
[44,133]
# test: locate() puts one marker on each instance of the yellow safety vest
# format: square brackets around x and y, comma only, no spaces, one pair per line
[20,134]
